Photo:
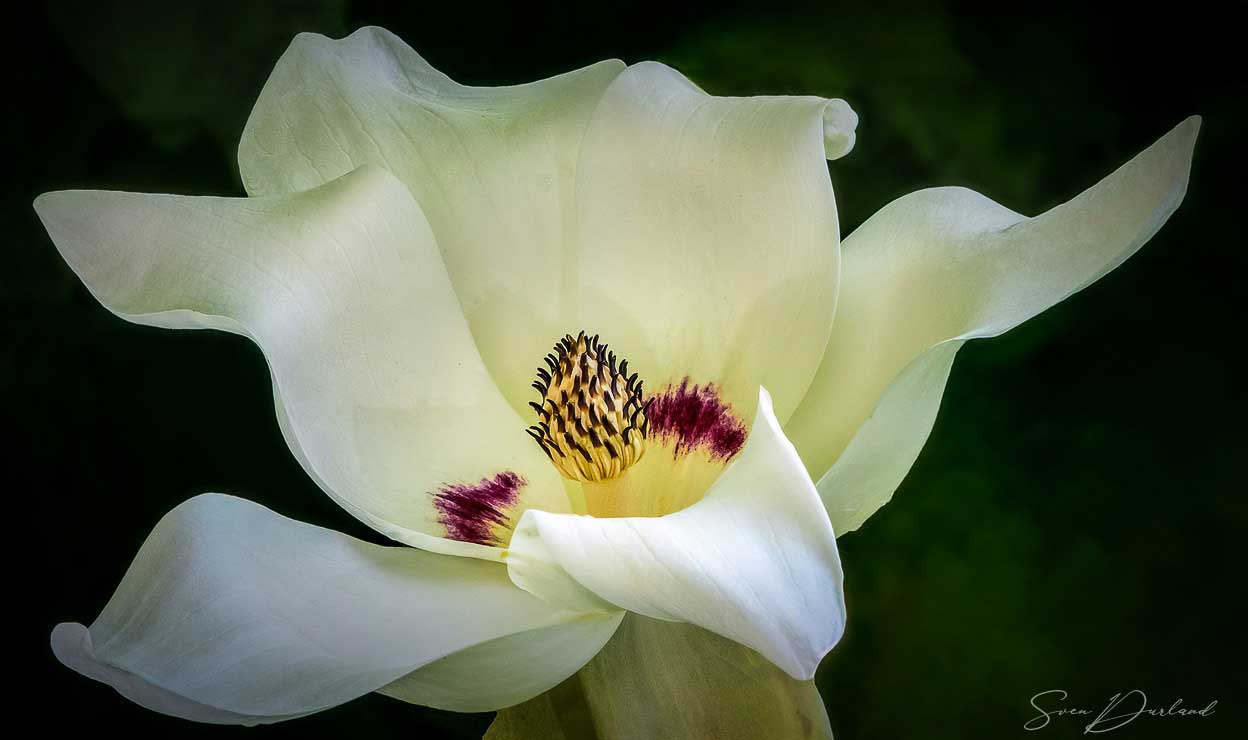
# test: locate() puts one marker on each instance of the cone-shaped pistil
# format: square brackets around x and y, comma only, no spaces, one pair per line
[591,421]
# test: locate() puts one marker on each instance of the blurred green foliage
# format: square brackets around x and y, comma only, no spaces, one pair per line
[178,69]
[1071,522]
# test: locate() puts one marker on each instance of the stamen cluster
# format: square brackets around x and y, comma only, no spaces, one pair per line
[591,420]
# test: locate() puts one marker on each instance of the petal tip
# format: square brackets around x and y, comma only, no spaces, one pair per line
[1184,135]
[766,415]
[840,124]
[805,664]
[55,209]
[764,396]
[45,202]
[1181,139]
[71,644]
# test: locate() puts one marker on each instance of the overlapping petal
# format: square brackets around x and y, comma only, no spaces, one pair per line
[378,383]
[492,167]
[940,266]
[507,670]
[234,614]
[708,233]
[754,561]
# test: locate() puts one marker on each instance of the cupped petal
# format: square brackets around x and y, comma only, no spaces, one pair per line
[946,265]
[754,561]
[233,614]
[492,167]
[378,383]
[709,236]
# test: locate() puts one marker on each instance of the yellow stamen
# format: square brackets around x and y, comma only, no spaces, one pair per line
[591,422]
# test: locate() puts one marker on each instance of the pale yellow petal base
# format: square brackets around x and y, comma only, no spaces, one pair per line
[666,680]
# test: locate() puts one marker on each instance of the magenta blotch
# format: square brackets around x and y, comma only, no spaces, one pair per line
[470,512]
[695,417]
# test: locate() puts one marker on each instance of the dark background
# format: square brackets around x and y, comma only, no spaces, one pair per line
[1075,522]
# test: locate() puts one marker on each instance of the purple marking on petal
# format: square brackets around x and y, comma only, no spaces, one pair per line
[470,512]
[695,417]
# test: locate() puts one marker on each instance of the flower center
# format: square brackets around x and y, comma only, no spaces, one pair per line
[591,421]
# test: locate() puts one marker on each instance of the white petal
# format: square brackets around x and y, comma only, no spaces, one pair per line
[536,569]
[949,264]
[379,386]
[492,167]
[234,614]
[72,645]
[709,236]
[509,670]
[754,561]
[867,473]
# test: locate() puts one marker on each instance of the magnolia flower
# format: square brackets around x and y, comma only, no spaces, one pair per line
[409,248]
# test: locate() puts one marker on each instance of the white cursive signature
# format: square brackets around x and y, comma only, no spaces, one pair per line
[1122,709]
